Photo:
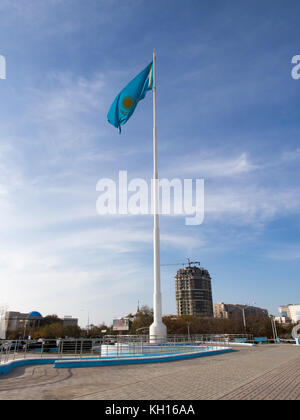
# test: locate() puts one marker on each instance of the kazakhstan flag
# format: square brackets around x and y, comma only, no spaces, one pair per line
[125,103]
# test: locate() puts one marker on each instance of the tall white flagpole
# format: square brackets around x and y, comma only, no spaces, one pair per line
[158,330]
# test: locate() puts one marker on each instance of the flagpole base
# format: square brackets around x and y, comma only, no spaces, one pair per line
[157,333]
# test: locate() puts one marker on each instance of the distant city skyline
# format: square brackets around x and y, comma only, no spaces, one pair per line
[227,113]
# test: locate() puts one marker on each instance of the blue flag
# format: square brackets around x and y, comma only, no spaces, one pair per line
[125,103]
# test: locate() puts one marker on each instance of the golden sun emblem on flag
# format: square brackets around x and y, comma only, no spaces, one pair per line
[127,102]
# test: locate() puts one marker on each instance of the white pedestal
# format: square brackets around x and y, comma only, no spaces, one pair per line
[158,333]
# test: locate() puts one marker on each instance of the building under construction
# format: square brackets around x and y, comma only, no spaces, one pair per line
[193,291]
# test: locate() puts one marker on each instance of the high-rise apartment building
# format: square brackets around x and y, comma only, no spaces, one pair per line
[193,292]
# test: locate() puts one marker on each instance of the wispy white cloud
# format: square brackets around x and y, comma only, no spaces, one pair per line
[72,96]
[291,155]
[251,204]
[213,166]
[240,190]
[286,252]
[77,291]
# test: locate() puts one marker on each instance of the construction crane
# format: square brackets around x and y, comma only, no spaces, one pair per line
[189,263]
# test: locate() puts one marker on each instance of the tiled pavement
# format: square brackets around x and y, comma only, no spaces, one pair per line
[262,372]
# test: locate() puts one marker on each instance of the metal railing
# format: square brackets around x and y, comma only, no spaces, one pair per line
[114,346]
[221,339]
[54,349]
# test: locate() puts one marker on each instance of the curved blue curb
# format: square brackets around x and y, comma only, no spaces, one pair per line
[68,364]
[7,367]
[71,363]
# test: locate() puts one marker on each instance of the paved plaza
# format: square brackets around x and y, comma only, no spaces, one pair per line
[265,372]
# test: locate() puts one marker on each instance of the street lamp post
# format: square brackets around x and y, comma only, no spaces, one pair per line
[24,332]
[244,320]
[188,328]
[274,328]
[244,316]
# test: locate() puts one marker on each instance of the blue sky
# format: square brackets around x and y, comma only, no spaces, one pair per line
[228,112]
